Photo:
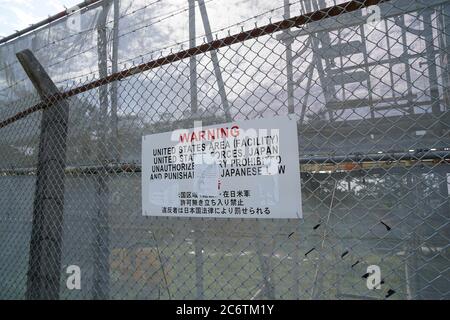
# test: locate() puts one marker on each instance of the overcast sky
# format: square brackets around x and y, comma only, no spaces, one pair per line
[19,14]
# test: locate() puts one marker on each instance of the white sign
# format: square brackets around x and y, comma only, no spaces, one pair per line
[243,169]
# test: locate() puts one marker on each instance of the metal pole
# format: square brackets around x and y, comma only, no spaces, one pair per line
[192,59]
[114,84]
[445,46]
[264,262]
[44,264]
[101,223]
[198,247]
[199,260]
[215,60]
[289,71]
[431,63]
[322,39]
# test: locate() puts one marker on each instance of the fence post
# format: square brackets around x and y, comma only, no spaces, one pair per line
[266,269]
[44,264]
[192,60]
[199,260]
[101,283]
[215,60]
[289,66]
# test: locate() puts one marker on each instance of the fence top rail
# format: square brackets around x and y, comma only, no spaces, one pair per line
[267,29]
[353,162]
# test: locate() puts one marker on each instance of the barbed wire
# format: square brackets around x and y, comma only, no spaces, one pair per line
[214,45]
[156,50]
[159,19]
[180,44]
[73,34]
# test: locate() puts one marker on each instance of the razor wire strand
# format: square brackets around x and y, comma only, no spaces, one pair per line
[219,43]
[179,45]
[155,20]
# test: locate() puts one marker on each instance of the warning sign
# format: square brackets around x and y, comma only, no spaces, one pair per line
[243,169]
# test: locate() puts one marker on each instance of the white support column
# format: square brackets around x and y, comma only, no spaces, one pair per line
[215,60]
[192,59]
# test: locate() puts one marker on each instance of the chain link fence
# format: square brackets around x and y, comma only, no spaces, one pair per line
[366,81]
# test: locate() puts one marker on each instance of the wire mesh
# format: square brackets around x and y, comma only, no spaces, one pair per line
[370,97]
